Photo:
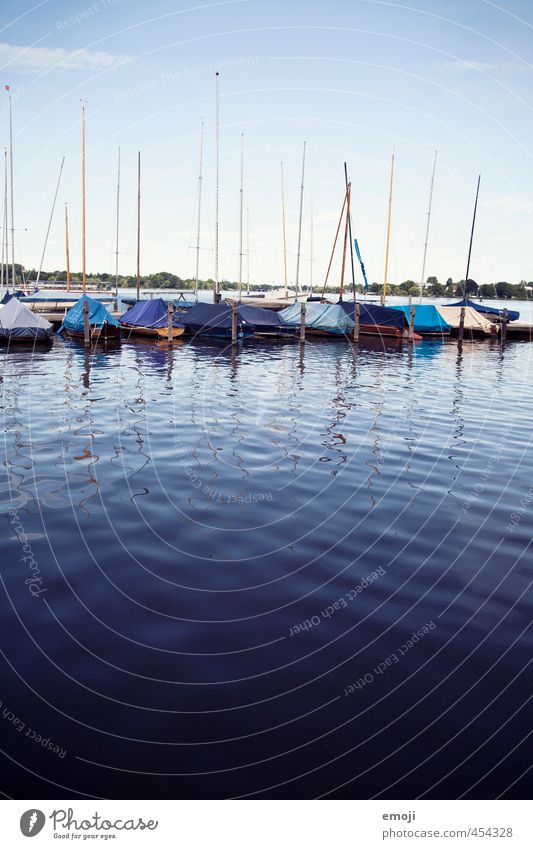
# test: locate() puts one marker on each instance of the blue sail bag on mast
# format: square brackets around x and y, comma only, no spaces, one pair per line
[361,263]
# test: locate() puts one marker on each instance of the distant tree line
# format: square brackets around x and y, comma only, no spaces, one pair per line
[165,280]
[469,288]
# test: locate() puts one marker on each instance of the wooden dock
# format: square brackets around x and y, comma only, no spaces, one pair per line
[519,330]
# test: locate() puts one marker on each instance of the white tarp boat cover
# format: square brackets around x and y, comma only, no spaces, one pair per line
[473,320]
[19,322]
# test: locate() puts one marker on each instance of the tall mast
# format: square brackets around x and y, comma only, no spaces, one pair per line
[311,250]
[241,215]
[12,203]
[200,177]
[117,222]
[350,229]
[50,222]
[284,232]
[346,230]
[139,225]
[83,255]
[67,248]
[471,237]
[247,249]
[385,279]
[4,230]
[300,222]
[423,275]
[216,296]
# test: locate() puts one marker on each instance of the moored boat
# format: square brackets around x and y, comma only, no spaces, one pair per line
[321,319]
[53,304]
[20,324]
[214,320]
[493,312]
[474,322]
[151,319]
[375,320]
[428,320]
[102,325]
[264,322]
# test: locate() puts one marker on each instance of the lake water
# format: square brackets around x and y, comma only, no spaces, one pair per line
[214,562]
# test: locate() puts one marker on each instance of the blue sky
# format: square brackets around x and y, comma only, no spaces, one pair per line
[355,78]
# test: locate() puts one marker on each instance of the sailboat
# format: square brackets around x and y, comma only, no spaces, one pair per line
[374,320]
[321,318]
[477,317]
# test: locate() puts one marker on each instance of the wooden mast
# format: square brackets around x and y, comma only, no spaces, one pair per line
[67,248]
[350,231]
[385,279]
[346,229]
[423,275]
[216,293]
[284,232]
[117,223]
[200,178]
[241,216]
[139,225]
[471,237]
[13,276]
[334,244]
[83,246]
[297,282]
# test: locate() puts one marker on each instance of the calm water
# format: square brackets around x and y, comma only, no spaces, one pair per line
[227,555]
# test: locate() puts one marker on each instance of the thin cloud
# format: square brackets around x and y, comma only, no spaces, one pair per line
[509,205]
[487,67]
[47,58]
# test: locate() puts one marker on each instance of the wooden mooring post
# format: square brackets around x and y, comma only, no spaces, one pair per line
[411,332]
[170,315]
[303,310]
[505,321]
[86,325]
[357,322]
[233,324]
[461,325]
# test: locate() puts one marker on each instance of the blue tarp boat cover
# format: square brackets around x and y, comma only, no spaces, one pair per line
[427,318]
[327,317]
[209,316]
[98,315]
[512,314]
[19,322]
[371,314]
[152,313]
[212,320]
[179,303]
[7,297]
[263,320]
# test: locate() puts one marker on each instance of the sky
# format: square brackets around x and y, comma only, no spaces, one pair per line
[355,79]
